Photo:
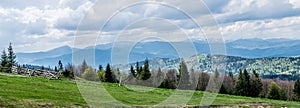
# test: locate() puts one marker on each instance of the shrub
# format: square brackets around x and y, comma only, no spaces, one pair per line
[275,92]
[90,74]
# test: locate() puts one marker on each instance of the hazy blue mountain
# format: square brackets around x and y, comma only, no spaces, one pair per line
[30,57]
[257,48]
[247,48]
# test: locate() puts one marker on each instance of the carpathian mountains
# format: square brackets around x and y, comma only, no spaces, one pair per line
[240,53]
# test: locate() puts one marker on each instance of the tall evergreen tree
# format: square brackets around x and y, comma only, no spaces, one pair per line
[256,84]
[4,61]
[137,69]
[55,69]
[69,71]
[146,74]
[242,86]
[297,90]
[109,75]
[231,76]
[11,57]
[132,71]
[60,65]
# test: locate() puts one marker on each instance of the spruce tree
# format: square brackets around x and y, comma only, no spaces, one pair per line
[11,58]
[109,75]
[132,71]
[242,86]
[297,90]
[4,61]
[256,84]
[146,74]
[60,66]
[247,83]
[137,68]
[55,69]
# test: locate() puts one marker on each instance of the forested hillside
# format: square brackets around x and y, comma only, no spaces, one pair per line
[264,66]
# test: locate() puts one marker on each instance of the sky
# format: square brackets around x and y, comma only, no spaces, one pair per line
[40,25]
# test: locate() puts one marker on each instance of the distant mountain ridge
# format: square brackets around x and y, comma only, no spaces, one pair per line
[246,48]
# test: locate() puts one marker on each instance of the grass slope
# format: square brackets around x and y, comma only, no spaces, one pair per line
[19,91]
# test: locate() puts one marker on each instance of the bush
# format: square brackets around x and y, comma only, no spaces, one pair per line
[90,74]
[101,75]
[275,92]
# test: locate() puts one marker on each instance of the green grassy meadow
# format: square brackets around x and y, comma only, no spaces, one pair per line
[20,91]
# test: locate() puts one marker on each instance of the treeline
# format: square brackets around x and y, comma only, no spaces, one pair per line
[241,84]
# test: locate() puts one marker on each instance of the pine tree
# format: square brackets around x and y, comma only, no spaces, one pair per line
[146,74]
[223,90]
[55,69]
[132,71]
[4,61]
[247,83]
[11,58]
[109,75]
[137,68]
[256,84]
[243,86]
[297,90]
[69,71]
[231,76]
[184,81]
[60,66]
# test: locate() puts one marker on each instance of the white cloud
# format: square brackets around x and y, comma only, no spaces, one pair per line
[257,10]
[273,28]
[295,3]
[43,25]
[34,25]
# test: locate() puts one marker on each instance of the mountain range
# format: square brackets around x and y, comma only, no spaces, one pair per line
[246,48]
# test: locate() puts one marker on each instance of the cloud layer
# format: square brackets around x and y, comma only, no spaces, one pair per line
[35,25]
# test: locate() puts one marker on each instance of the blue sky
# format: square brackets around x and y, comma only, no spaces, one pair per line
[39,25]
